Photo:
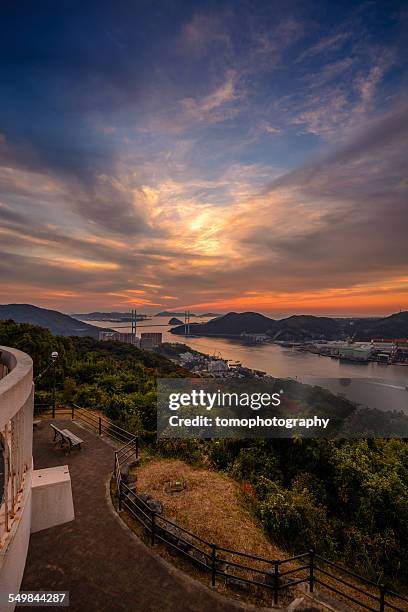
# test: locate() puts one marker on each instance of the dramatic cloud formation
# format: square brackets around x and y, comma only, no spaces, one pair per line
[220,156]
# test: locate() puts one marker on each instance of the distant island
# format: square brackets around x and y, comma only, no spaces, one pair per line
[175,321]
[168,313]
[300,328]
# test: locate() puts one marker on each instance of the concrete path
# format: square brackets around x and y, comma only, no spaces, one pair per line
[95,557]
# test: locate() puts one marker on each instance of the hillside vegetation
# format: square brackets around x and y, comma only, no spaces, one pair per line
[347,499]
[117,379]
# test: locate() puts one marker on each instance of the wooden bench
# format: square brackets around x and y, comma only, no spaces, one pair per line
[73,440]
[64,436]
[58,434]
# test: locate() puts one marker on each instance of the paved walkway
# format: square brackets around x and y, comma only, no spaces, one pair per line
[95,557]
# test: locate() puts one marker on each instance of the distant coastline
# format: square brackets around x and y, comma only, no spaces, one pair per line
[299,328]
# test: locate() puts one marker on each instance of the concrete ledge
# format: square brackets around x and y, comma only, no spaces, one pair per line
[323,601]
[16,387]
[51,498]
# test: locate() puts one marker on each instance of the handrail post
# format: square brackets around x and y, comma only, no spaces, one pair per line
[100,426]
[153,528]
[53,387]
[213,564]
[137,447]
[276,583]
[311,569]
[120,495]
[72,412]
[382,598]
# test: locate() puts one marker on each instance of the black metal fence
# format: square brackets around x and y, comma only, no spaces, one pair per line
[96,422]
[238,569]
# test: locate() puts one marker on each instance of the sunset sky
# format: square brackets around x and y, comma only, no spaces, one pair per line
[206,155]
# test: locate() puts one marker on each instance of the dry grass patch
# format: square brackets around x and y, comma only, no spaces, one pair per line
[211,506]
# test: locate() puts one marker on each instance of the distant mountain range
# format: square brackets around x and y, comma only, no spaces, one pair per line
[297,328]
[107,316]
[300,328]
[58,323]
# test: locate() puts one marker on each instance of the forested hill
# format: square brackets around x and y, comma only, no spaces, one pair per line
[302,327]
[56,322]
[231,324]
[394,326]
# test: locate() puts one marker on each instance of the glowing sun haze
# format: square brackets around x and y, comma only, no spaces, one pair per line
[210,155]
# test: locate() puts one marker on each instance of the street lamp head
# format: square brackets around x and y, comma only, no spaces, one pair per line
[54,355]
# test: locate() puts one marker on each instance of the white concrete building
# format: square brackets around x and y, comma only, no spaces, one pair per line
[126,337]
[217,366]
[356,350]
[154,339]
[31,500]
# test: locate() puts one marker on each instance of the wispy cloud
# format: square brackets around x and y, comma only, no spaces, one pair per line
[204,33]
[327,44]
[216,106]
[340,96]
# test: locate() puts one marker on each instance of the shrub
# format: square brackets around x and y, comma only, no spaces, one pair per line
[294,518]
[254,462]
[189,449]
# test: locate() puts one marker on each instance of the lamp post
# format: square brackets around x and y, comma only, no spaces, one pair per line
[54,357]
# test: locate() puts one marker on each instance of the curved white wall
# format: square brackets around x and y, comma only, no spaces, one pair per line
[16,414]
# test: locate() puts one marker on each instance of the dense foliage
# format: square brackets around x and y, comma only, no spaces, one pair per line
[349,499]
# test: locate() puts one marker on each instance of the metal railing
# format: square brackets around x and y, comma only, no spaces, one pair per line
[235,568]
[378,595]
[96,422]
